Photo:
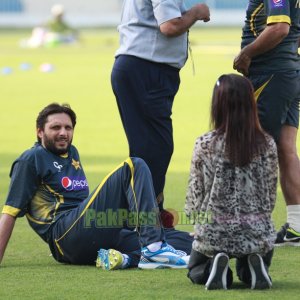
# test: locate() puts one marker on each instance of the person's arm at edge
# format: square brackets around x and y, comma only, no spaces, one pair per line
[273,175]
[195,183]
[7,223]
[272,35]
[178,26]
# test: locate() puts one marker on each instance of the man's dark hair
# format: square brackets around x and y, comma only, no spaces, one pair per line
[54,108]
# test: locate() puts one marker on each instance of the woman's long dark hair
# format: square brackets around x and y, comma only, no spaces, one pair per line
[234,114]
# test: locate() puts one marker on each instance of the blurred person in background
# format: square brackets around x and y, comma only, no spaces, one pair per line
[55,32]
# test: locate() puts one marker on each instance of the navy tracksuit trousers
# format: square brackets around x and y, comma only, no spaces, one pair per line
[145,92]
[124,201]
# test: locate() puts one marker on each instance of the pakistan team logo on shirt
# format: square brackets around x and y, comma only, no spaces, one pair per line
[76,164]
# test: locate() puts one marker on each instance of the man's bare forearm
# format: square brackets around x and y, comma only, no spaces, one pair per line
[7,224]
[178,26]
[267,40]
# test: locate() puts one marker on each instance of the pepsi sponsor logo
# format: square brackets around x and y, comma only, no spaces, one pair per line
[278,3]
[74,184]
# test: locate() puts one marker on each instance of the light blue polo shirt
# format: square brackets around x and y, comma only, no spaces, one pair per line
[140,35]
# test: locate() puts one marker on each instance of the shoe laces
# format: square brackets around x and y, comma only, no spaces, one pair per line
[170,248]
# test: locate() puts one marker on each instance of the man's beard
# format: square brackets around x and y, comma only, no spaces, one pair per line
[50,145]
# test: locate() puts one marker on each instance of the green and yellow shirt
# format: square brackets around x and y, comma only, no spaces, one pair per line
[261,13]
[44,186]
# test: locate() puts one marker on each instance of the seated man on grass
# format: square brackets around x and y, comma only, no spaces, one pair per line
[120,217]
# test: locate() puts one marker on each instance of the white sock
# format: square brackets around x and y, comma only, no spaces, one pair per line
[155,246]
[125,261]
[293,216]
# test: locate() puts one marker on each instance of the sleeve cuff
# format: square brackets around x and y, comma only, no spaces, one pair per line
[279,19]
[12,211]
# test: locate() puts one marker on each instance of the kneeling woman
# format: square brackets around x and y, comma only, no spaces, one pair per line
[232,183]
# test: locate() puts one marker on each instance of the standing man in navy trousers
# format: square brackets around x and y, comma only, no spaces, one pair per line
[145,79]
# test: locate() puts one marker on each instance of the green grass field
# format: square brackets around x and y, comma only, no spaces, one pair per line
[82,78]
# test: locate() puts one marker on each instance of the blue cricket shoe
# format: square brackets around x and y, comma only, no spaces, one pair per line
[165,257]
